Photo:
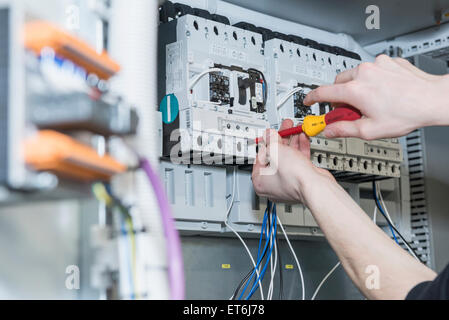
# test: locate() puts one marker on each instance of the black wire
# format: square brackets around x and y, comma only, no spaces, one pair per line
[389,223]
[265,98]
[245,279]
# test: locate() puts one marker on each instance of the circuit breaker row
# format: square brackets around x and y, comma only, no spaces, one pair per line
[356,160]
[223,85]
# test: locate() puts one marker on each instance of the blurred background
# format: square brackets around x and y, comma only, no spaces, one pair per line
[84,212]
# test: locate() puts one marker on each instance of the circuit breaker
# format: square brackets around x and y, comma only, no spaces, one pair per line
[295,67]
[213,90]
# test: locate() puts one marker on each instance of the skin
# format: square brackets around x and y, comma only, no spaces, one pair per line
[394,98]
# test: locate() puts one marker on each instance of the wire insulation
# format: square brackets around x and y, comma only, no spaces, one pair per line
[173,241]
[295,257]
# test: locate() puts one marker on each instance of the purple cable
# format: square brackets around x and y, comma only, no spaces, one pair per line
[174,251]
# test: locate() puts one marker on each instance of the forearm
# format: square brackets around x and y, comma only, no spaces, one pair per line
[361,245]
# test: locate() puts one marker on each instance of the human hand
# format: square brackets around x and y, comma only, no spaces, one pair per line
[283,167]
[393,96]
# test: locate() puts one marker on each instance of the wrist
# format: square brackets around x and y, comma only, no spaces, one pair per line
[313,185]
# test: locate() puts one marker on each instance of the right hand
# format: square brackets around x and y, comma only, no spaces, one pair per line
[393,96]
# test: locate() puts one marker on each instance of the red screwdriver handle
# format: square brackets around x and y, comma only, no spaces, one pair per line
[342,114]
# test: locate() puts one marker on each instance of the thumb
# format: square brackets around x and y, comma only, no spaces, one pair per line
[343,129]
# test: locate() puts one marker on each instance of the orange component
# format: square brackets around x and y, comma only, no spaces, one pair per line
[41,34]
[53,151]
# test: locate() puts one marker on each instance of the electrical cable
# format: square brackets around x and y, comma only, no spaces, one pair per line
[132,264]
[281,277]
[376,200]
[265,85]
[273,268]
[236,291]
[201,75]
[173,241]
[375,215]
[324,280]
[385,216]
[287,96]
[262,274]
[379,193]
[390,223]
[259,260]
[103,193]
[235,232]
[272,263]
[295,257]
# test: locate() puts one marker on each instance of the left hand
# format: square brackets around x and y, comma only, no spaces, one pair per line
[283,167]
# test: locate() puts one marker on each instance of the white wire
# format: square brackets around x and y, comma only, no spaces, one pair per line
[379,194]
[287,96]
[271,274]
[208,102]
[202,74]
[296,259]
[375,215]
[239,237]
[391,221]
[324,280]
[273,268]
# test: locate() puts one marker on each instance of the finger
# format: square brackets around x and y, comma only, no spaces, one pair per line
[257,179]
[271,136]
[304,145]
[273,149]
[261,158]
[336,93]
[338,105]
[357,129]
[286,124]
[295,142]
[346,76]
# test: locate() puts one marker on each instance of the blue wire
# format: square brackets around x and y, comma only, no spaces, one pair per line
[259,260]
[264,224]
[262,274]
[383,213]
[259,255]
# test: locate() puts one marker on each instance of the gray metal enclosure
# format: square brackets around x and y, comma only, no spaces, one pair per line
[206,279]
[436,199]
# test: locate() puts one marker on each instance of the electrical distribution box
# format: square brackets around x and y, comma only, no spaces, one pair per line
[221,86]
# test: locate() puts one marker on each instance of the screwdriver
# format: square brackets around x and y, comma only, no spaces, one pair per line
[314,125]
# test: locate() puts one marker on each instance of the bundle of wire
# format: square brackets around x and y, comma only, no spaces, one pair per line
[103,193]
[267,234]
[393,229]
